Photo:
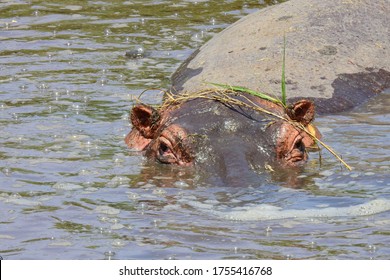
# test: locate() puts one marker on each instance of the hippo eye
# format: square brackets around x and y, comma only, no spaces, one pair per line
[170,148]
[165,152]
[163,148]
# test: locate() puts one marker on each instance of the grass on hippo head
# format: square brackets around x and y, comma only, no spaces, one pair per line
[229,96]
[263,95]
[251,92]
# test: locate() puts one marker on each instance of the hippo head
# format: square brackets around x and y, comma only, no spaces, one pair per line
[228,139]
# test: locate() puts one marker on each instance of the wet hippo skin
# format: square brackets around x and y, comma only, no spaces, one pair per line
[331,47]
[337,57]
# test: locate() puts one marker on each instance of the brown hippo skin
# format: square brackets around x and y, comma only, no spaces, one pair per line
[337,56]
[227,141]
[172,136]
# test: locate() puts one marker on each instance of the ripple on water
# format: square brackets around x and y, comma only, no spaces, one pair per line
[5,236]
[117,226]
[119,243]
[73,7]
[159,192]
[118,181]
[133,196]
[108,210]
[67,186]
[60,243]
[269,212]
[23,202]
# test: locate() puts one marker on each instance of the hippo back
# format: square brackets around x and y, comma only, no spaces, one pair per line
[336,51]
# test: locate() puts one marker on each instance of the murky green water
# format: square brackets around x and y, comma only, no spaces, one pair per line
[69,188]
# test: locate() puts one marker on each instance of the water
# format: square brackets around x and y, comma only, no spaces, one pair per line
[69,188]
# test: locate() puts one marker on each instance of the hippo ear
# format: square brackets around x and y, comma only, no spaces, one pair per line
[302,111]
[145,119]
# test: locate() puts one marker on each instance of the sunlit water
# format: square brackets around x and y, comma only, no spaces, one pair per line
[69,188]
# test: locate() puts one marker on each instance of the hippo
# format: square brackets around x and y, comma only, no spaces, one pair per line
[337,56]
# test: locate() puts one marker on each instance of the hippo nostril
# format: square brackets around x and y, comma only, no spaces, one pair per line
[297,152]
[299,145]
[163,149]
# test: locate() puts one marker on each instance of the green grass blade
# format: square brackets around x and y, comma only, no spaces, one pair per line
[249,91]
[284,95]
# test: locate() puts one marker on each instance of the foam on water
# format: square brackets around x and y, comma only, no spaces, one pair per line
[268,212]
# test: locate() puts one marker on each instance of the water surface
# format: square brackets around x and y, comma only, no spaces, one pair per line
[69,188]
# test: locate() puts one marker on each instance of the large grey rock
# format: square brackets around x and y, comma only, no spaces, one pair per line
[327,42]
